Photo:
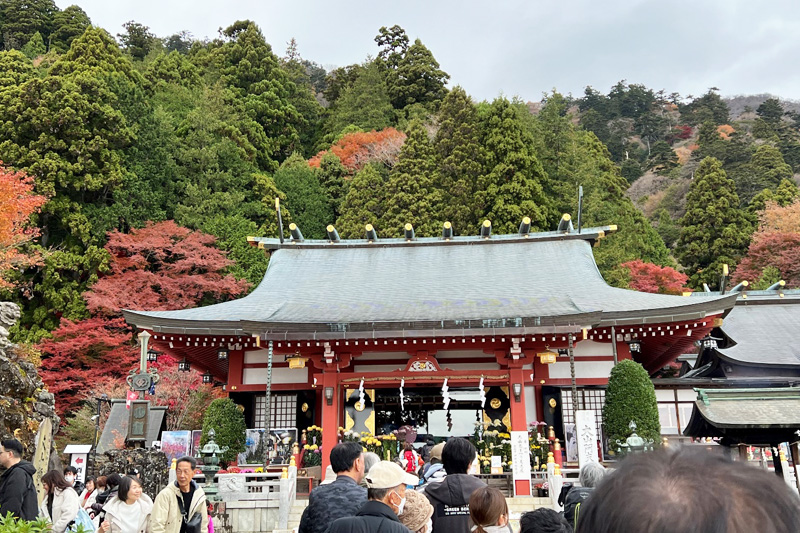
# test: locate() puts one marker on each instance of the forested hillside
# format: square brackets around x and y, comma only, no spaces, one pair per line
[135,166]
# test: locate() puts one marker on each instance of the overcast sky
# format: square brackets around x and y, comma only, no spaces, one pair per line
[520,48]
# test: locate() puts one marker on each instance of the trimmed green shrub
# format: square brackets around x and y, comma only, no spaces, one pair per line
[227,420]
[630,397]
[10,524]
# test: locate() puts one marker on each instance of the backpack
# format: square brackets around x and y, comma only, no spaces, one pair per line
[82,520]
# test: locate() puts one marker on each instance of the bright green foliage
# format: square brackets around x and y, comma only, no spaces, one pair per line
[267,191]
[137,40]
[15,69]
[68,25]
[35,46]
[95,52]
[310,204]
[769,275]
[630,397]
[365,203]
[417,79]
[365,104]
[713,231]
[174,68]
[667,228]
[514,184]
[250,68]
[227,420]
[411,196]
[21,19]
[785,194]
[459,157]
[332,176]
[231,231]
[10,524]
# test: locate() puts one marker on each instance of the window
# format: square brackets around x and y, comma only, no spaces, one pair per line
[283,412]
[588,399]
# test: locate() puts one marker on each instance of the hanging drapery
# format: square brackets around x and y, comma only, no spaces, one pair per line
[361,394]
[483,394]
[402,398]
[446,394]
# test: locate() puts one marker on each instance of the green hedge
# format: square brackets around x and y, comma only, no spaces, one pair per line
[227,420]
[630,397]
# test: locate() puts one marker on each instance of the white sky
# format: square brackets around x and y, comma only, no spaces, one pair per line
[517,47]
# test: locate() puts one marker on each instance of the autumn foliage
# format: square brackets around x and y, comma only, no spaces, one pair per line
[776,244]
[647,277]
[359,148]
[161,267]
[17,203]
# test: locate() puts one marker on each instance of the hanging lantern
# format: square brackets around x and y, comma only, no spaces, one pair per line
[635,345]
[184,366]
[152,356]
[296,361]
[222,354]
[208,378]
[548,357]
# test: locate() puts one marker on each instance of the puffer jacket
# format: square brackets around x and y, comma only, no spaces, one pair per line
[450,500]
[166,516]
[65,508]
[113,514]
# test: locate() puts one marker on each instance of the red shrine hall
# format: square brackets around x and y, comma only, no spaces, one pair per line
[527,316]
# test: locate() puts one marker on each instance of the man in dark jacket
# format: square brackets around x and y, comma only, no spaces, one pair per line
[450,497]
[386,492]
[590,476]
[341,498]
[17,493]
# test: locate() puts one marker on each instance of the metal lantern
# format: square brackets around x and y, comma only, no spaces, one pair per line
[708,342]
[152,356]
[184,366]
[635,345]
[208,378]
[222,354]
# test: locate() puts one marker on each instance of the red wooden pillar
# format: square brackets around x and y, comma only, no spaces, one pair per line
[519,419]
[235,369]
[330,417]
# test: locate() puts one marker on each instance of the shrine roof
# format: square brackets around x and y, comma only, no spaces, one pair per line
[544,282]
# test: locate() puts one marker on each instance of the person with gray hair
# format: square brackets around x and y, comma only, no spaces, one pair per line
[590,476]
[370,460]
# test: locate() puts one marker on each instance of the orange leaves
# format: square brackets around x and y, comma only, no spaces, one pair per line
[647,277]
[776,244]
[725,131]
[17,204]
[359,148]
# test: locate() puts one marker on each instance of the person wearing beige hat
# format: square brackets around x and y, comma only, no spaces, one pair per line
[417,513]
[386,499]
[433,471]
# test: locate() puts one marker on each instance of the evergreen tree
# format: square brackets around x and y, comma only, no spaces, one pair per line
[630,397]
[411,195]
[21,19]
[310,205]
[137,40]
[713,231]
[393,43]
[417,79]
[365,104]
[514,184]
[332,176]
[459,159]
[227,420]
[785,194]
[68,25]
[35,47]
[365,203]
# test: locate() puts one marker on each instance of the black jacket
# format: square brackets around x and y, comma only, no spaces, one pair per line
[17,493]
[450,500]
[373,517]
[344,497]
[573,502]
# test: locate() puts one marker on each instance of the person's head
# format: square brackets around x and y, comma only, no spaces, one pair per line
[457,455]
[370,460]
[184,472]
[408,446]
[430,442]
[70,474]
[685,490]
[112,481]
[101,482]
[417,513]
[10,452]
[90,484]
[348,458]
[130,488]
[544,520]
[487,508]
[591,475]
[53,480]
[386,482]
[436,453]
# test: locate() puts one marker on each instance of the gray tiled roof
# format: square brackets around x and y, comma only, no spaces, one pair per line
[750,407]
[529,284]
[765,333]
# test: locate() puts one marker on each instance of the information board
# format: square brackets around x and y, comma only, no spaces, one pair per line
[587,437]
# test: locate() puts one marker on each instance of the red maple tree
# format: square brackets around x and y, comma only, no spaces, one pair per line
[359,148]
[776,244]
[162,266]
[647,277]
[17,203]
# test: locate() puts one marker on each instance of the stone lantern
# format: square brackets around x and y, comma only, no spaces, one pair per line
[634,443]
[209,455]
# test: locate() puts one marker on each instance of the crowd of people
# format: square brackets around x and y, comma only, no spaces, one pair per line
[667,491]
[114,503]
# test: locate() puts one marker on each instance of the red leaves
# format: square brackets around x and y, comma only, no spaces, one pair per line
[359,148]
[161,267]
[17,204]
[775,244]
[647,277]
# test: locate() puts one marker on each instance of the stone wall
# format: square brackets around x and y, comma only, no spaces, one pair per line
[152,467]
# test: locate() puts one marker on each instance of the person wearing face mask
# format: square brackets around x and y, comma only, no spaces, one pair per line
[416,515]
[71,475]
[489,511]
[386,499]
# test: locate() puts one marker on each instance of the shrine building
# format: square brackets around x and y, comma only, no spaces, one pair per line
[526,315]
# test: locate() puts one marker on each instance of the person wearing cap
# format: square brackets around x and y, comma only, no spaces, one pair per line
[343,497]
[416,515]
[433,472]
[386,499]
[450,498]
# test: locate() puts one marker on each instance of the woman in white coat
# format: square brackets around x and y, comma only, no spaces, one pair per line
[128,511]
[61,503]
